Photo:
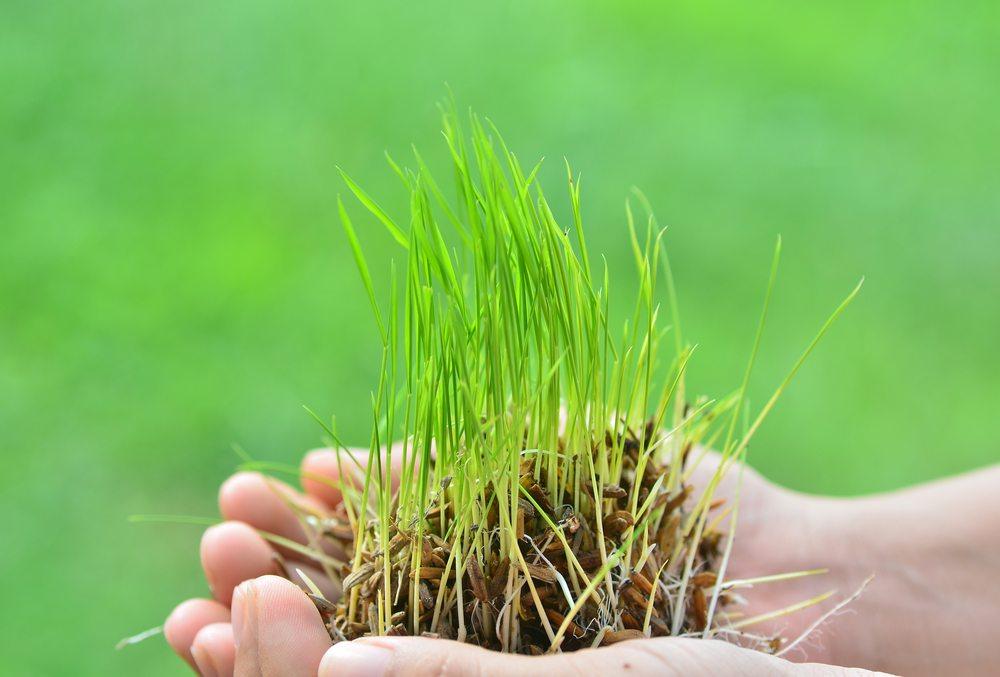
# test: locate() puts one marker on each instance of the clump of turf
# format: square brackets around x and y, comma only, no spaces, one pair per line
[540,498]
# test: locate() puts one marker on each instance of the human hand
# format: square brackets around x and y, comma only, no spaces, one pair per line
[278,632]
[933,605]
[274,629]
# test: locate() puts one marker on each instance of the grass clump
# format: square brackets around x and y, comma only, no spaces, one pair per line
[540,497]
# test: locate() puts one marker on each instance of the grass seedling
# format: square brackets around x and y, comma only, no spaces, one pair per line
[541,499]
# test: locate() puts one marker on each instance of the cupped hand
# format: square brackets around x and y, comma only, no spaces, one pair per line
[259,623]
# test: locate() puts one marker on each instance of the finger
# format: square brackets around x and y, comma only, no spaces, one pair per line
[187,620]
[213,650]
[277,629]
[420,656]
[321,471]
[231,553]
[267,504]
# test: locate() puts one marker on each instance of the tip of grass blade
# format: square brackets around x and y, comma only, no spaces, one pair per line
[139,637]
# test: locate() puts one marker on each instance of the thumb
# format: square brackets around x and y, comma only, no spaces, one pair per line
[386,656]
[276,629]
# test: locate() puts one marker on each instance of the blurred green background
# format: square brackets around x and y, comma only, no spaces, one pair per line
[173,278]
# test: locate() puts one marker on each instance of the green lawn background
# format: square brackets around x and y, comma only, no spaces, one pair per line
[173,278]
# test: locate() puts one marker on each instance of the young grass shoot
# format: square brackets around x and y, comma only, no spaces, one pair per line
[528,486]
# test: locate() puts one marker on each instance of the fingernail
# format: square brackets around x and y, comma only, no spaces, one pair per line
[358,659]
[243,606]
[203,659]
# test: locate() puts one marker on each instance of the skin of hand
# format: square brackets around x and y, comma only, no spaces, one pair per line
[910,619]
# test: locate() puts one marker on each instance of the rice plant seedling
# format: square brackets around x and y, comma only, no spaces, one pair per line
[539,496]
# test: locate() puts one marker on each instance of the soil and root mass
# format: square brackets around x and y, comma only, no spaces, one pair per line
[541,497]
[568,576]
